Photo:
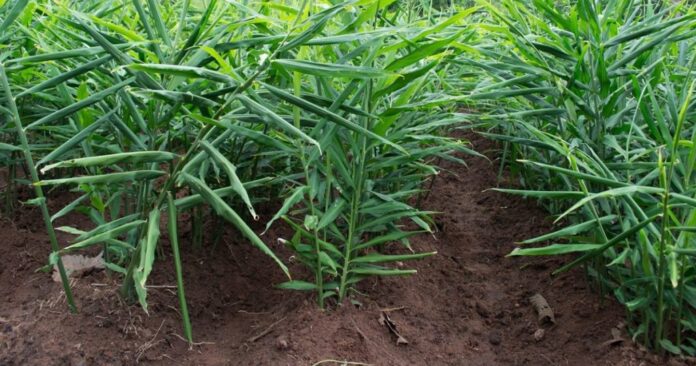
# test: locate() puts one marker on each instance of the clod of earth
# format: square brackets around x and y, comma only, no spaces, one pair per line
[495,338]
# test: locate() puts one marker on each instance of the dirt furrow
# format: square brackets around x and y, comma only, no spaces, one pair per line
[466,306]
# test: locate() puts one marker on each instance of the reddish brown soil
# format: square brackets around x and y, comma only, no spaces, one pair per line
[466,306]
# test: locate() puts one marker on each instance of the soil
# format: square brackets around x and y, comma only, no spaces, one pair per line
[468,305]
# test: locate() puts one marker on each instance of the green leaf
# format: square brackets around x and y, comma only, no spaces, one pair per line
[38,201]
[542,194]
[67,146]
[317,23]
[159,22]
[70,54]
[383,258]
[293,199]
[177,97]
[554,249]
[231,171]
[382,271]
[297,285]
[185,71]
[669,346]
[147,257]
[94,98]
[16,10]
[270,117]
[331,70]
[610,193]
[391,236]
[70,75]
[645,31]
[70,230]
[105,160]
[104,236]
[332,213]
[572,229]
[196,199]
[104,178]
[310,222]
[614,241]
[8,147]
[69,207]
[115,268]
[422,52]
[313,108]
[107,226]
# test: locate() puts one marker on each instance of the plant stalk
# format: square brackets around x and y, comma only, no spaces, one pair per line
[174,240]
[37,189]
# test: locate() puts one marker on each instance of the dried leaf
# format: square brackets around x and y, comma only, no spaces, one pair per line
[386,321]
[79,265]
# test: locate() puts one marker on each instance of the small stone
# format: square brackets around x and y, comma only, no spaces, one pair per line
[494,338]
[539,334]
[282,343]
